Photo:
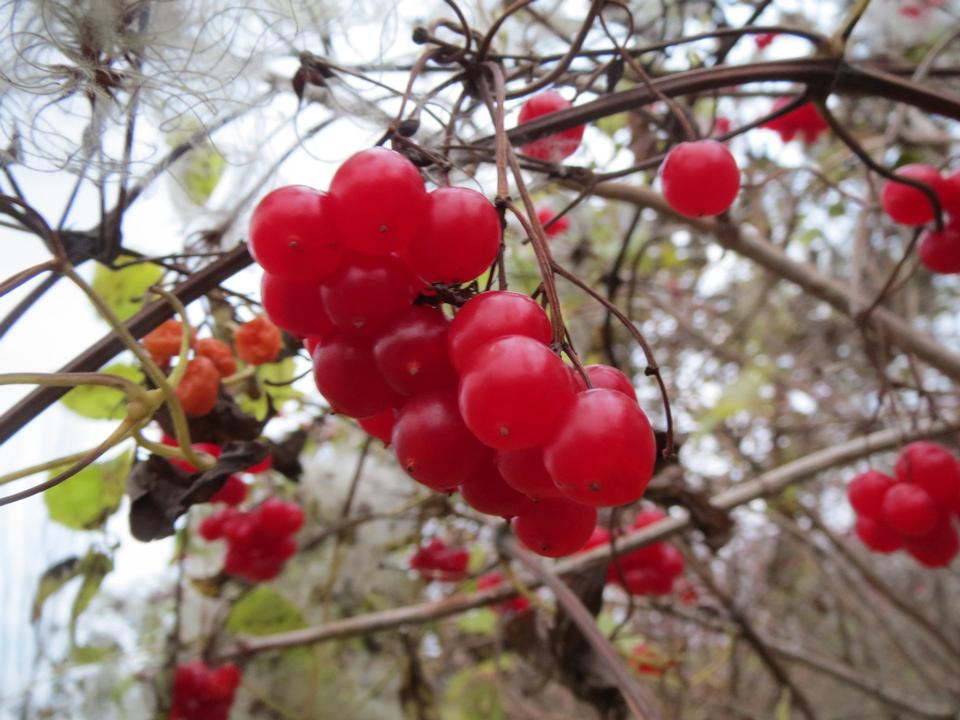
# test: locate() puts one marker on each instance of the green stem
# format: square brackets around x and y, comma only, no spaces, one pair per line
[42,467]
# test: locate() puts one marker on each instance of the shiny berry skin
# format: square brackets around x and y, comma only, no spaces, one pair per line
[866,492]
[203,693]
[163,342]
[199,387]
[219,352]
[381,201]
[347,376]
[367,293]
[233,492]
[932,467]
[291,234]
[606,376]
[524,471]
[604,452]
[491,315]
[555,527]
[937,548]
[411,352]
[700,178]
[551,148]
[438,561]
[294,307]
[485,491]
[517,604]
[380,425]
[515,393]
[910,510]
[905,204]
[433,445]
[460,240]
[258,341]
[939,252]
[950,194]
[555,228]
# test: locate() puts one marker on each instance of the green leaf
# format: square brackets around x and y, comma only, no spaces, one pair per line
[52,580]
[482,621]
[204,168]
[85,500]
[124,290]
[103,403]
[473,694]
[263,611]
[95,567]
[280,372]
[611,123]
[258,407]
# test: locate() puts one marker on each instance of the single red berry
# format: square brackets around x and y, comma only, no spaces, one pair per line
[524,471]
[909,510]
[291,234]
[411,352]
[258,341]
[604,452]
[937,548]
[905,204]
[722,125]
[515,393]
[555,527]
[368,293]
[932,467]
[381,201]
[460,240]
[555,147]
[492,315]
[866,492]
[380,425]
[939,251]
[700,178]
[552,227]
[485,491]
[233,492]
[208,448]
[432,443]
[347,376]
[295,307]
[203,693]
[763,40]
[199,387]
[605,376]
[219,352]
[950,194]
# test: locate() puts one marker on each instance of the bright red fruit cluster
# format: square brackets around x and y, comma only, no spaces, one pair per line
[201,692]
[806,121]
[650,570]
[259,541]
[938,251]
[912,511]
[552,148]
[700,178]
[438,561]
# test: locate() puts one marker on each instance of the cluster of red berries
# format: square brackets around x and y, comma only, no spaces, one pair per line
[912,511]
[255,342]
[234,490]
[201,692]
[438,561]
[700,178]
[650,570]
[259,541]
[938,251]
[805,122]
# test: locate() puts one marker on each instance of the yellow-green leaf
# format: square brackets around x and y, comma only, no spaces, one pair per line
[263,611]
[98,402]
[124,290]
[274,378]
[204,168]
[85,500]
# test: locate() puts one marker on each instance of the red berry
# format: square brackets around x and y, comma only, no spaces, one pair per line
[937,548]
[939,252]
[805,120]
[555,527]
[909,510]
[381,201]
[950,194]
[605,376]
[524,471]
[485,491]
[647,517]
[700,178]
[261,466]
[291,234]
[515,393]
[557,227]
[219,352]
[437,561]
[347,376]
[604,452]
[763,40]
[905,204]
[368,293]
[278,518]
[208,448]
[411,352]
[233,492]
[203,693]
[552,148]
[491,315]
[932,467]
[671,561]
[460,240]
[295,307]
[199,387]
[866,492]
[380,425]
[258,341]
[432,443]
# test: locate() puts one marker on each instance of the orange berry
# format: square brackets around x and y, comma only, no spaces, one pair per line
[219,352]
[163,342]
[257,341]
[199,387]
